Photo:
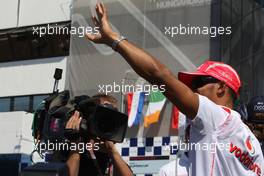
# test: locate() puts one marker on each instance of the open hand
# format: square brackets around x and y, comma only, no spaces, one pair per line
[74,121]
[107,147]
[106,35]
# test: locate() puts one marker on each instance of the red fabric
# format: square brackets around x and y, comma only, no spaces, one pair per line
[218,70]
[175,118]
[129,101]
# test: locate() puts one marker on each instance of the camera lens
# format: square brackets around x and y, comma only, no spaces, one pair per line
[106,126]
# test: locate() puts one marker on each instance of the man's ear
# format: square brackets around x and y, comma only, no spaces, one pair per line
[221,89]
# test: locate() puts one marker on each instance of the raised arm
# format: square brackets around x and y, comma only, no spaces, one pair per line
[146,65]
[121,168]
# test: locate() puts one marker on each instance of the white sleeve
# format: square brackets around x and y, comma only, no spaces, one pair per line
[209,116]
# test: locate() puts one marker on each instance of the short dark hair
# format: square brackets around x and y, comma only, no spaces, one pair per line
[109,98]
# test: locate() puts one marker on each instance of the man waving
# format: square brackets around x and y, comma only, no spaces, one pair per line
[206,97]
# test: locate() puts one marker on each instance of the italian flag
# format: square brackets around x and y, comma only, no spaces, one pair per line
[156,103]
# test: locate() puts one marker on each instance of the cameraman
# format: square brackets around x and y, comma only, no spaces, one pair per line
[98,161]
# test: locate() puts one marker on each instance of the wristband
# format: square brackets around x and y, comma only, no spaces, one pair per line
[116,42]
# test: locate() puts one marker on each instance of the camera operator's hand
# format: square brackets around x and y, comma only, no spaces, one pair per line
[107,147]
[73,161]
[106,35]
[72,127]
[74,121]
[120,166]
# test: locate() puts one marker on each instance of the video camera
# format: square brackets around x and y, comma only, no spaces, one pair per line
[98,121]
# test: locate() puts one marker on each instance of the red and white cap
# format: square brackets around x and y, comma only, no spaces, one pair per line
[218,70]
